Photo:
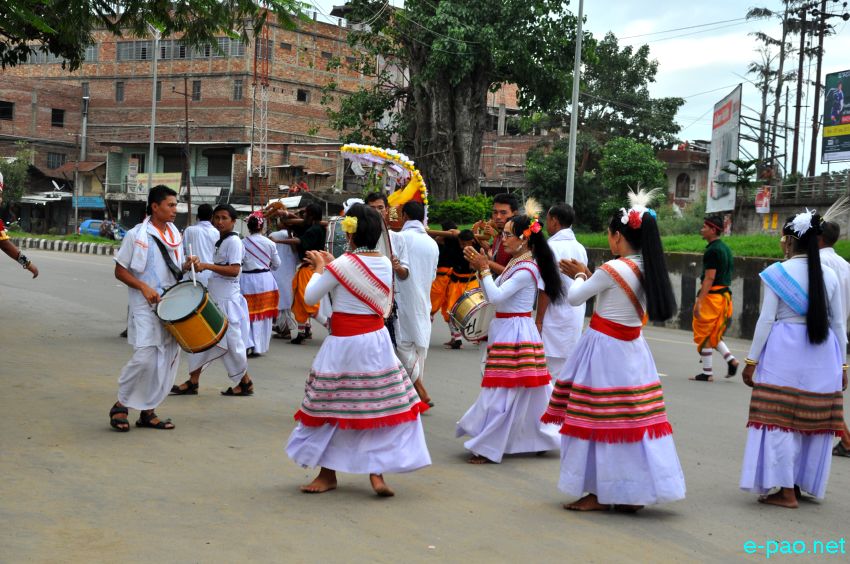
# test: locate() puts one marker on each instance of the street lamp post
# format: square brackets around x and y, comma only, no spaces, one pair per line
[151,157]
[571,159]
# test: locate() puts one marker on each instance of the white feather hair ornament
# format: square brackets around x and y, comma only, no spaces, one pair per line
[836,210]
[639,204]
[802,222]
[533,208]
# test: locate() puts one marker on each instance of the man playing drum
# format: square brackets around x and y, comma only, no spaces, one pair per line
[141,265]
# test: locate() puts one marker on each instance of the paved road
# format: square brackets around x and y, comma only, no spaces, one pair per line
[220,488]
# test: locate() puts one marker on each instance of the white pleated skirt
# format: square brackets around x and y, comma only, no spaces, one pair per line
[507,421]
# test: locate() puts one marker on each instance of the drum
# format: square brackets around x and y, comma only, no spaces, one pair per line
[192,317]
[471,315]
[336,243]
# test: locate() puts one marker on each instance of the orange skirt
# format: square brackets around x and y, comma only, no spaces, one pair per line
[300,310]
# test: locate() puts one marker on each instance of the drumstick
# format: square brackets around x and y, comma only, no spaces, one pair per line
[192,265]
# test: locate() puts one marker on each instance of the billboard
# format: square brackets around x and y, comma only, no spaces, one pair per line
[835,145]
[725,129]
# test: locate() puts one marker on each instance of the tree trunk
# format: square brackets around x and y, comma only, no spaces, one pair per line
[777,102]
[448,130]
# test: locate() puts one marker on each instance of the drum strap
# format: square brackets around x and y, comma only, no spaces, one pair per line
[176,271]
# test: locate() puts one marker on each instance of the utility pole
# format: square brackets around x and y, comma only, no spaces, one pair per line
[187,168]
[794,149]
[151,155]
[816,116]
[571,159]
[81,159]
[785,139]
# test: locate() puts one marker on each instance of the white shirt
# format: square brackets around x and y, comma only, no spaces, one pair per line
[202,237]
[229,252]
[612,302]
[828,257]
[515,290]
[288,265]
[773,309]
[562,322]
[414,293]
[260,253]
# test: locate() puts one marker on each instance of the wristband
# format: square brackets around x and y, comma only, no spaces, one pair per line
[483,273]
[751,362]
[582,274]
[23,260]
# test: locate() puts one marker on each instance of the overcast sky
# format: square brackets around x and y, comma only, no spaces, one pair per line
[693,61]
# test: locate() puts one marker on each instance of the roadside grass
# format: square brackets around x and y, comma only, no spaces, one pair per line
[763,246]
[72,238]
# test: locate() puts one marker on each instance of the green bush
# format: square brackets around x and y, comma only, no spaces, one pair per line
[689,223]
[463,210]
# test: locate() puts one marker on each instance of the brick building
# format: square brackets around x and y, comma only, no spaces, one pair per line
[212,88]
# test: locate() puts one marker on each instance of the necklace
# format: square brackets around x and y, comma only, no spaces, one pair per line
[524,256]
[361,250]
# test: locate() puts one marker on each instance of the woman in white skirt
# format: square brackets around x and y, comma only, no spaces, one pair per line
[616,443]
[360,412]
[285,325]
[258,285]
[224,291]
[505,419]
[797,372]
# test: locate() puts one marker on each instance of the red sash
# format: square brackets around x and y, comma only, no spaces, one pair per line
[614,329]
[505,315]
[621,282]
[352,324]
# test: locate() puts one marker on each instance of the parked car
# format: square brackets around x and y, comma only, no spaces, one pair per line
[93,227]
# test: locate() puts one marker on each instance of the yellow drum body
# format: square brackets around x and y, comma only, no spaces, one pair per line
[192,317]
[471,315]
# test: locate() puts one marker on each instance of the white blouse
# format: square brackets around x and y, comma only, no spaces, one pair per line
[343,300]
[260,253]
[514,293]
[612,302]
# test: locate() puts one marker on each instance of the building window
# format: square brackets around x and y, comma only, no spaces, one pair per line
[683,186]
[196,90]
[351,61]
[264,49]
[326,55]
[55,160]
[158,90]
[140,158]
[57,118]
[286,46]
[134,51]
[119,91]
[85,88]
[40,56]
[302,95]
[91,53]
[7,110]
[237,89]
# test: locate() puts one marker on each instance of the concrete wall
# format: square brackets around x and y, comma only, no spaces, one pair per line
[685,269]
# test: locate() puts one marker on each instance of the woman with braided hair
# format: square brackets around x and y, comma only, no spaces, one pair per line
[505,419]
[797,372]
[616,443]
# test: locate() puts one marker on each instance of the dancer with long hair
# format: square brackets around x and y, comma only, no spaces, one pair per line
[258,284]
[796,369]
[505,419]
[360,412]
[616,443]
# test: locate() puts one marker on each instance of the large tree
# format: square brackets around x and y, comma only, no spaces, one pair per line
[65,28]
[441,58]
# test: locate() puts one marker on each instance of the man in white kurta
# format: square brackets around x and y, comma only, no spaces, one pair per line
[413,330]
[200,240]
[828,257]
[560,324]
[284,274]
[148,376]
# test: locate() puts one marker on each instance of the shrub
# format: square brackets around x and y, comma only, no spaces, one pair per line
[463,210]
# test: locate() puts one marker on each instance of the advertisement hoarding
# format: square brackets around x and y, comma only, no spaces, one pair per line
[725,130]
[835,145]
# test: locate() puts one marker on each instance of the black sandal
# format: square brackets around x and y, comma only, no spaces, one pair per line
[146,420]
[191,389]
[245,389]
[703,378]
[732,368]
[841,450]
[118,423]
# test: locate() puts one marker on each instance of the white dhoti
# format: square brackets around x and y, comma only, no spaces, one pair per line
[555,364]
[231,349]
[148,376]
[412,358]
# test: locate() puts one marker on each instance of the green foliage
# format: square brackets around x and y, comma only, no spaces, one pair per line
[15,234]
[461,210]
[689,222]
[65,28]
[628,164]
[15,175]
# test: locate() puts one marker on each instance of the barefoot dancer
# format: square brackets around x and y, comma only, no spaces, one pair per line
[224,290]
[505,419]
[795,370]
[616,442]
[360,412]
[141,265]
